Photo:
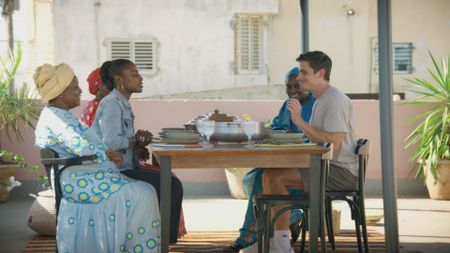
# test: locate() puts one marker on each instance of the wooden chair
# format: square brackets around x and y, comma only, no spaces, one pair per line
[355,199]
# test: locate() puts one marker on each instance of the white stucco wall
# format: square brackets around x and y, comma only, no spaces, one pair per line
[196,39]
[347,39]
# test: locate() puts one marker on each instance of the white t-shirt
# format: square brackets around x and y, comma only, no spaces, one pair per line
[333,112]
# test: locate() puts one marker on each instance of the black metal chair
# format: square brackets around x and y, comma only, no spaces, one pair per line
[354,198]
[263,204]
[54,167]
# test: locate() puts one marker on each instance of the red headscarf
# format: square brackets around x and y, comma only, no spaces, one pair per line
[95,81]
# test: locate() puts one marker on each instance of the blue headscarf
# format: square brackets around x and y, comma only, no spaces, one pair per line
[293,72]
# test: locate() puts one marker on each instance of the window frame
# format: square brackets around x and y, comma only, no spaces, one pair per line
[395,58]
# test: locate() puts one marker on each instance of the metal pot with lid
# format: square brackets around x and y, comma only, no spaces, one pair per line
[227,128]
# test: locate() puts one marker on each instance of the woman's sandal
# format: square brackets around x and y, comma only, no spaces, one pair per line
[235,247]
[295,229]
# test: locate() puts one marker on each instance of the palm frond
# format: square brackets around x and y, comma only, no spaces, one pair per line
[431,137]
[20,107]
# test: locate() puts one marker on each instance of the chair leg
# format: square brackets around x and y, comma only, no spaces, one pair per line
[304,228]
[260,227]
[330,225]
[358,228]
[362,211]
[266,234]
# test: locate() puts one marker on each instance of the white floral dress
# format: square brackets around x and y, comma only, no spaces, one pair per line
[101,210]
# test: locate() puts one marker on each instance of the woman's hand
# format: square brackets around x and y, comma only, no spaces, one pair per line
[142,153]
[143,138]
[115,156]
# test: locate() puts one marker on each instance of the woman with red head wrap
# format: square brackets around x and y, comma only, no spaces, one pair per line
[96,88]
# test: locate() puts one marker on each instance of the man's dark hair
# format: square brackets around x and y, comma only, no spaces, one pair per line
[317,60]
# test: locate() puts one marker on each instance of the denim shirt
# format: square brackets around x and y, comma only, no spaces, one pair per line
[114,123]
[283,120]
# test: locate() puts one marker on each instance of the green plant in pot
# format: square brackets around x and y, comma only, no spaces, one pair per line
[17,109]
[432,135]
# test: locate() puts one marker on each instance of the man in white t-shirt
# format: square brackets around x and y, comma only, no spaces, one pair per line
[332,121]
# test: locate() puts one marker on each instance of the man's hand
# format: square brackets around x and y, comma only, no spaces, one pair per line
[295,108]
[143,137]
[142,153]
[115,156]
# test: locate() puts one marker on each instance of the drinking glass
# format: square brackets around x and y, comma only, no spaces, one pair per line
[249,130]
[208,127]
[199,125]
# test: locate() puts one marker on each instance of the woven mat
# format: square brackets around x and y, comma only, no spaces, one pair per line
[198,242]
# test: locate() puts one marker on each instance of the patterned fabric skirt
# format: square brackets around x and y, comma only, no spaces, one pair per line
[104,211]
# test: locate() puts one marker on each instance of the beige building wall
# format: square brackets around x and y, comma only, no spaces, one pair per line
[40,35]
[283,41]
[345,39]
[349,39]
[426,24]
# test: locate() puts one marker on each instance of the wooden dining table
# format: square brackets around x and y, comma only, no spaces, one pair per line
[236,156]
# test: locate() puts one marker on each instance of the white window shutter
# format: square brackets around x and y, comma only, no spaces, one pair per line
[141,51]
[248,43]
[244,44]
[120,50]
[255,39]
[143,55]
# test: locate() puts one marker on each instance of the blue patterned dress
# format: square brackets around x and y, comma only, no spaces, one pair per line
[101,210]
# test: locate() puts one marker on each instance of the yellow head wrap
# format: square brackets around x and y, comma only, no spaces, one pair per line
[51,81]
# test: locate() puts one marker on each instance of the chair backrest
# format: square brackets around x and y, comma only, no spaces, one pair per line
[50,168]
[362,150]
[55,165]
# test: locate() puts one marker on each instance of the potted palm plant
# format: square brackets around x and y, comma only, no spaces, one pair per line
[17,107]
[432,136]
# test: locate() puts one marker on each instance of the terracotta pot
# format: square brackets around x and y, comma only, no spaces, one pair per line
[6,172]
[441,189]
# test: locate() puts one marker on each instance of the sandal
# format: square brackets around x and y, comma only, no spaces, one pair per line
[235,247]
[295,229]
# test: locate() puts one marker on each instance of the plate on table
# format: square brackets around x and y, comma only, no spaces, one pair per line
[267,132]
[175,130]
[286,141]
[181,135]
[287,137]
[181,141]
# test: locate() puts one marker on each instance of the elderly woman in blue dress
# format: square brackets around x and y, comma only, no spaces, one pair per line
[253,180]
[101,209]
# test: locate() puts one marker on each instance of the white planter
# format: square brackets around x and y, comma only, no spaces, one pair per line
[234,179]
[42,214]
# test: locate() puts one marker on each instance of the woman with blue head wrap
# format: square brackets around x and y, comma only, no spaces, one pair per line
[253,180]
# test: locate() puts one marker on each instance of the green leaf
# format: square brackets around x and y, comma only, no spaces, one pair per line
[431,137]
